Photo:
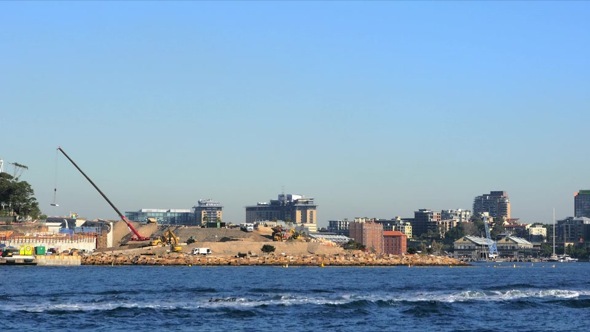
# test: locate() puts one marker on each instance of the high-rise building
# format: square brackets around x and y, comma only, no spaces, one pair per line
[369,234]
[424,220]
[582,204]
[496,203]
[339,227]
[208,212]
[289,208]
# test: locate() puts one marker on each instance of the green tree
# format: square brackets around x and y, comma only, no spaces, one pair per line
[267,248]
[454,234]
[496,230]
[353,245]
[17,198]
[546,249]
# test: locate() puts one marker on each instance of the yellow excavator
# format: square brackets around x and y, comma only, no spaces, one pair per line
[168,237]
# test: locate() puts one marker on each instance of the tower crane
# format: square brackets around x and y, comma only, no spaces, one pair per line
[136,236]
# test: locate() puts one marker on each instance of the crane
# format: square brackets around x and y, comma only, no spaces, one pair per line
[492,249]
[136,236]
[18,170]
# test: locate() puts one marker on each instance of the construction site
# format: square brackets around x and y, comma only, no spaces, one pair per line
[125,242]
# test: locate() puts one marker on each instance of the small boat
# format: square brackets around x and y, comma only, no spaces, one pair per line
[567,259]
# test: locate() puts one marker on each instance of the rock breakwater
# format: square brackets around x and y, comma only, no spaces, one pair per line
[344,259]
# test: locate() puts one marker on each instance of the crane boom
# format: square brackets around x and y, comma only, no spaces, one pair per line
[136,236]
[493,250]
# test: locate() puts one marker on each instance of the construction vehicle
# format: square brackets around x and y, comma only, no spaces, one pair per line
[135,234]
[168,238]
[172,240]
[279,233]
[201,251]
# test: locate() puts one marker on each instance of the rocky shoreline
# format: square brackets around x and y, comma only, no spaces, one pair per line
[344,259]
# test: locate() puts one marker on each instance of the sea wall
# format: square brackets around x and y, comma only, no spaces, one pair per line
[345,259]
[58,260]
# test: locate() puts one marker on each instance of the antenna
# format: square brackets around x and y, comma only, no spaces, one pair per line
[1,164]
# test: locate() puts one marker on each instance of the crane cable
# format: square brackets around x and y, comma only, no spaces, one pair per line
[55,181]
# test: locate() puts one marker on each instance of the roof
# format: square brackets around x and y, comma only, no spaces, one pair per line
[518,240]
[478,240]
[393,233]
[340,239]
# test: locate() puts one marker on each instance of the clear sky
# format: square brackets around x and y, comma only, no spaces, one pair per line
[374,109]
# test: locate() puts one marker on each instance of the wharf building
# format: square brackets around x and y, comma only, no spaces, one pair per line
[288,208]
[496,203]
[209,213]
[477,248]
[582,204]
[369,234]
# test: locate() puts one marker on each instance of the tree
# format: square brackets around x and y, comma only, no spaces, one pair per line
[353,245]
[496,230]
[454,234]
[267,248]
[17,198]
[436,248]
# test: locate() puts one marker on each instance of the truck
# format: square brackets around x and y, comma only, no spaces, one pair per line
[201,251]
[247,227]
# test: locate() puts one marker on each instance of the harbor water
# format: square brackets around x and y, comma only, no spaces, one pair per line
[482,297]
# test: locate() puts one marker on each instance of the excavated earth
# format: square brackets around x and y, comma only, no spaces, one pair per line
[235,247]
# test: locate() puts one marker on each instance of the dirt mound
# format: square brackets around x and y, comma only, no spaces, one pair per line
[122,234]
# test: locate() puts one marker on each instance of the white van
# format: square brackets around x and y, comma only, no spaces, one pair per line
[201,251]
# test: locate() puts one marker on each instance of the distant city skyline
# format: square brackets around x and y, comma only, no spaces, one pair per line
[373,109]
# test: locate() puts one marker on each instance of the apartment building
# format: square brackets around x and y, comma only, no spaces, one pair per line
[369,234]
[582,204]
[496,203]
[289,208]
[208,213]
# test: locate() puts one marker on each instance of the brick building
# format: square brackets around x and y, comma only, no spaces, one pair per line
[369,234]
[395,243]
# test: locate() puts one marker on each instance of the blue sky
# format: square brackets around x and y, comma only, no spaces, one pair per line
[373,108]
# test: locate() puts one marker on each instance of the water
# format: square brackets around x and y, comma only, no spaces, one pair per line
[485,297]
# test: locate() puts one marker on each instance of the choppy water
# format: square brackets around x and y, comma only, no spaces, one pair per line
[485,297]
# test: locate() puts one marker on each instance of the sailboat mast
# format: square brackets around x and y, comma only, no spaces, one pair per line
[553,231]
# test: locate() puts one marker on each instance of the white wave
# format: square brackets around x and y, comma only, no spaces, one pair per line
[292,299]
